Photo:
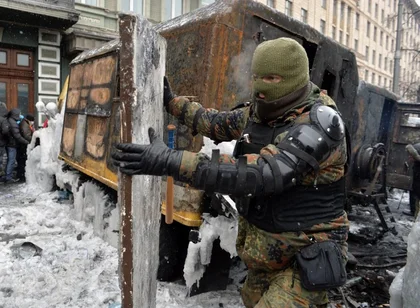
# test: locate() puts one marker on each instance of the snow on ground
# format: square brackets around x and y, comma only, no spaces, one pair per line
[75,268]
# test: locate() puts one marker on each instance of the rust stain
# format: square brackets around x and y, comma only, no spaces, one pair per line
[96,128]
[127,33]
[100,96]
[69,133]
[104,70]
[73,99]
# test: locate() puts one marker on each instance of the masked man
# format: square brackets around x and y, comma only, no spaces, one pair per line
[286,174]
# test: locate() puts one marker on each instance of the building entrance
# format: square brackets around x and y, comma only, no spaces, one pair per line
[17,79]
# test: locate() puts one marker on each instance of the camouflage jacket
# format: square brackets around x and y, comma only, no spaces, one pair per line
[228,125]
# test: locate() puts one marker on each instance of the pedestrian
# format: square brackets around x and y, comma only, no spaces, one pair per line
[26,128]
[286,175]
[3,137]
[14,139]
[414,156]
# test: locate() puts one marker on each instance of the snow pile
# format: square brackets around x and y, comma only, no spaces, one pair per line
[44,169]
[43,164]
[404,288]
[76,268]
[224,147]
[199,254]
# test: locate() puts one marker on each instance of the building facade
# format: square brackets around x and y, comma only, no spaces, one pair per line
[369,28]
[36,48]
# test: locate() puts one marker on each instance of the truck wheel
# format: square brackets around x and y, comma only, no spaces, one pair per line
[173,245]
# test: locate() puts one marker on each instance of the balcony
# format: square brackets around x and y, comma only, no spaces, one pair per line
[53,14]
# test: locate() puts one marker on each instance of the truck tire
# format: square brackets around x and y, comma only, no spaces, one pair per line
[173,245]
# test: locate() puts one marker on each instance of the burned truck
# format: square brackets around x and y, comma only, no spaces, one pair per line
[209,54]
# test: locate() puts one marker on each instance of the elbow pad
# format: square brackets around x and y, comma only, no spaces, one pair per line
[240,179]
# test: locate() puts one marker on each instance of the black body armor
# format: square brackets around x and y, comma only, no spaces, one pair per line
[259,189]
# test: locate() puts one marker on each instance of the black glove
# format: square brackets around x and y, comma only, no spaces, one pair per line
[167,93]
[153,159]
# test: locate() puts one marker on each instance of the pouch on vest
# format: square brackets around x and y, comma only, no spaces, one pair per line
[321,266]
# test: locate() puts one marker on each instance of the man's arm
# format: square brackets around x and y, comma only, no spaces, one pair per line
[307,149]
[219,126]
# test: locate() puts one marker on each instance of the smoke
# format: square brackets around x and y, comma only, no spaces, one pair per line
[241,68]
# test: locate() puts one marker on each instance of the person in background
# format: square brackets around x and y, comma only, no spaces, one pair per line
[414,153]
[3,137]
[14,139]
[26,128]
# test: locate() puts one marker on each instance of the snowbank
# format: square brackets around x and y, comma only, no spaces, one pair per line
[45,170]
[404,289]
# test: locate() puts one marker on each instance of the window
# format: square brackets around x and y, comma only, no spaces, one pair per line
[342,11]
[373,56]
[47,53]
[382,16]
[357,21]
[335,11]
[270,3]
[132,6]
[324,4]
[386,63]
[376,10]
[392,45]
[367,53]
[356,45]
[368,29]
[348,18]
[390,83]
[174,8]
[347,40]
[370,6]
[340,36]
[322,26]
[386,42]
[49,70]
[374,33]
[379,80]
[88,2]
[380,61]
[385,81]
[288,8]
[391,65]
[372,80]
[49,37]
[333,32]
[304,15]
[366,74]
[381,38]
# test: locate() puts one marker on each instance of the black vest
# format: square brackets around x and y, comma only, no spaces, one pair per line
[296,209]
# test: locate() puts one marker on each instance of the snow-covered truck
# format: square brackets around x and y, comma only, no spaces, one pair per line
[209,53]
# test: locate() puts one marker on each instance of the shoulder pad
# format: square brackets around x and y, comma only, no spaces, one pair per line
[329,120]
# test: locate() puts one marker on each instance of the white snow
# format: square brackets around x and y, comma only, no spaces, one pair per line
[70,273]
[199,254]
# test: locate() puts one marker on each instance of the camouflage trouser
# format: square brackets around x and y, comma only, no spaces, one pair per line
[272,282]
[284,291]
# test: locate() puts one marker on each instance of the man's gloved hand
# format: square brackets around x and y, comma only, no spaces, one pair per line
[153,159]
[167,93]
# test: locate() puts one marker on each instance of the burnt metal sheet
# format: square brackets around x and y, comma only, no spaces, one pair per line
[210,52]
[69,132]
[96,136]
